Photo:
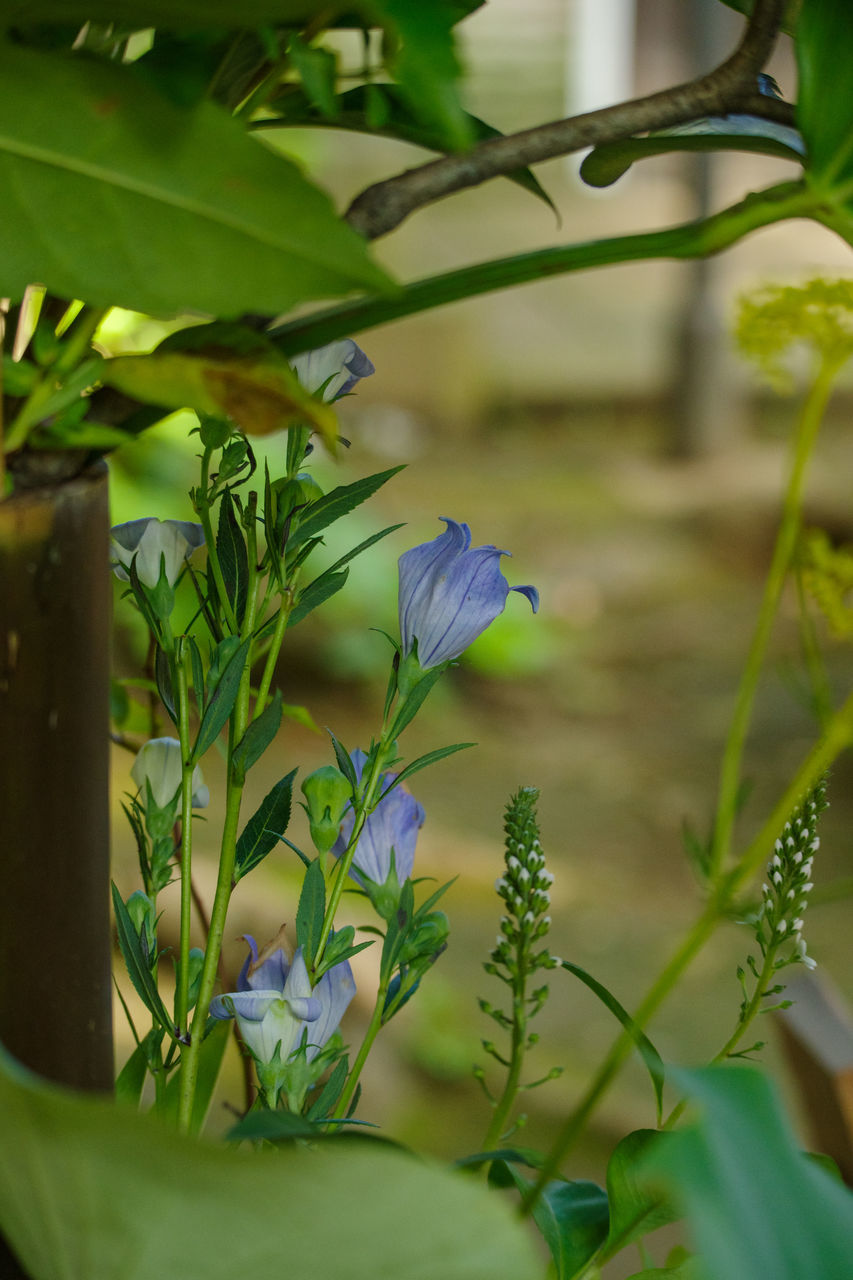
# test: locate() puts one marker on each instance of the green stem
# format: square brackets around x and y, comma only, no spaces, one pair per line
[370,1035]
[517,1048]
[692,240]
[837,736]
[345,862]
[273,654]
[202,506]
[187,768]
[730,771]
[225,875]
[669,977]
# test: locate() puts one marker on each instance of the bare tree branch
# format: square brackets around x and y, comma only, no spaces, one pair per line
[730,88]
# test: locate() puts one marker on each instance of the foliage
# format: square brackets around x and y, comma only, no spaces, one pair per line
[147,126]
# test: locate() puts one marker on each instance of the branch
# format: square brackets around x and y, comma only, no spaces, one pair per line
[730,88]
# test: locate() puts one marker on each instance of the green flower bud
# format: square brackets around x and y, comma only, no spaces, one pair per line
[143,916]
[328,795]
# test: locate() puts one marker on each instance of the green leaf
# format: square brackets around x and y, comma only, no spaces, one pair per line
[572,1217]
[635,1207]
[311,911]
[233,557]
[425,63]
[165,209]
[188,15]
[324,1104]
[415,699]
[272,1126]
[316,593]
[338,502]
[265,827]
[382,109]
[197,673]
[757,1206]
[645,1048]
[257,737]
[88,1192]
[344,760]
[609,162]
[431,757]
[163,678]
[825,43]
[221,702]
[137,968]
[131,1078]
[317,69]
[363,546]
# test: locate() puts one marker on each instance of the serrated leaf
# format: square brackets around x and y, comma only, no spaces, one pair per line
[645,1048]
[431,757]
[339,502]
[137,968]
[233,557]
[264,829]
[221,702]
[757,1206]
[137,176]
[606,164]
[257,737]
[311,911]
[316,593]
[260,394]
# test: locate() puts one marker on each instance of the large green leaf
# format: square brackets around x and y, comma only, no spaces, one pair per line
[572,1217]
[91,1191]
[825,96]
[756,1204]
[425,63]
[635,1208]
[112,193]
[193,14]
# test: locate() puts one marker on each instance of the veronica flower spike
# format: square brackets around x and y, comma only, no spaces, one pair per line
[450,592]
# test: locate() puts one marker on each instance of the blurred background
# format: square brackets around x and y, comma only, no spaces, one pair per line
[601,428]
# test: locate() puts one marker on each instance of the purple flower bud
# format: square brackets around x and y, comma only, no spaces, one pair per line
[450,592]
[336,367]
[393,825]
[274,1001]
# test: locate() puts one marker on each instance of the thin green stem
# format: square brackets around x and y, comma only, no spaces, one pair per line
[691,240]
[345,862]
[187,767]
[370,1035]
[812,656]
[837,736]
[730,772]
[222,898]
[273,654]
[669,977]
[510,1092]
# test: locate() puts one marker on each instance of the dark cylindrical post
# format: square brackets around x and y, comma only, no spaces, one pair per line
[55,995]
